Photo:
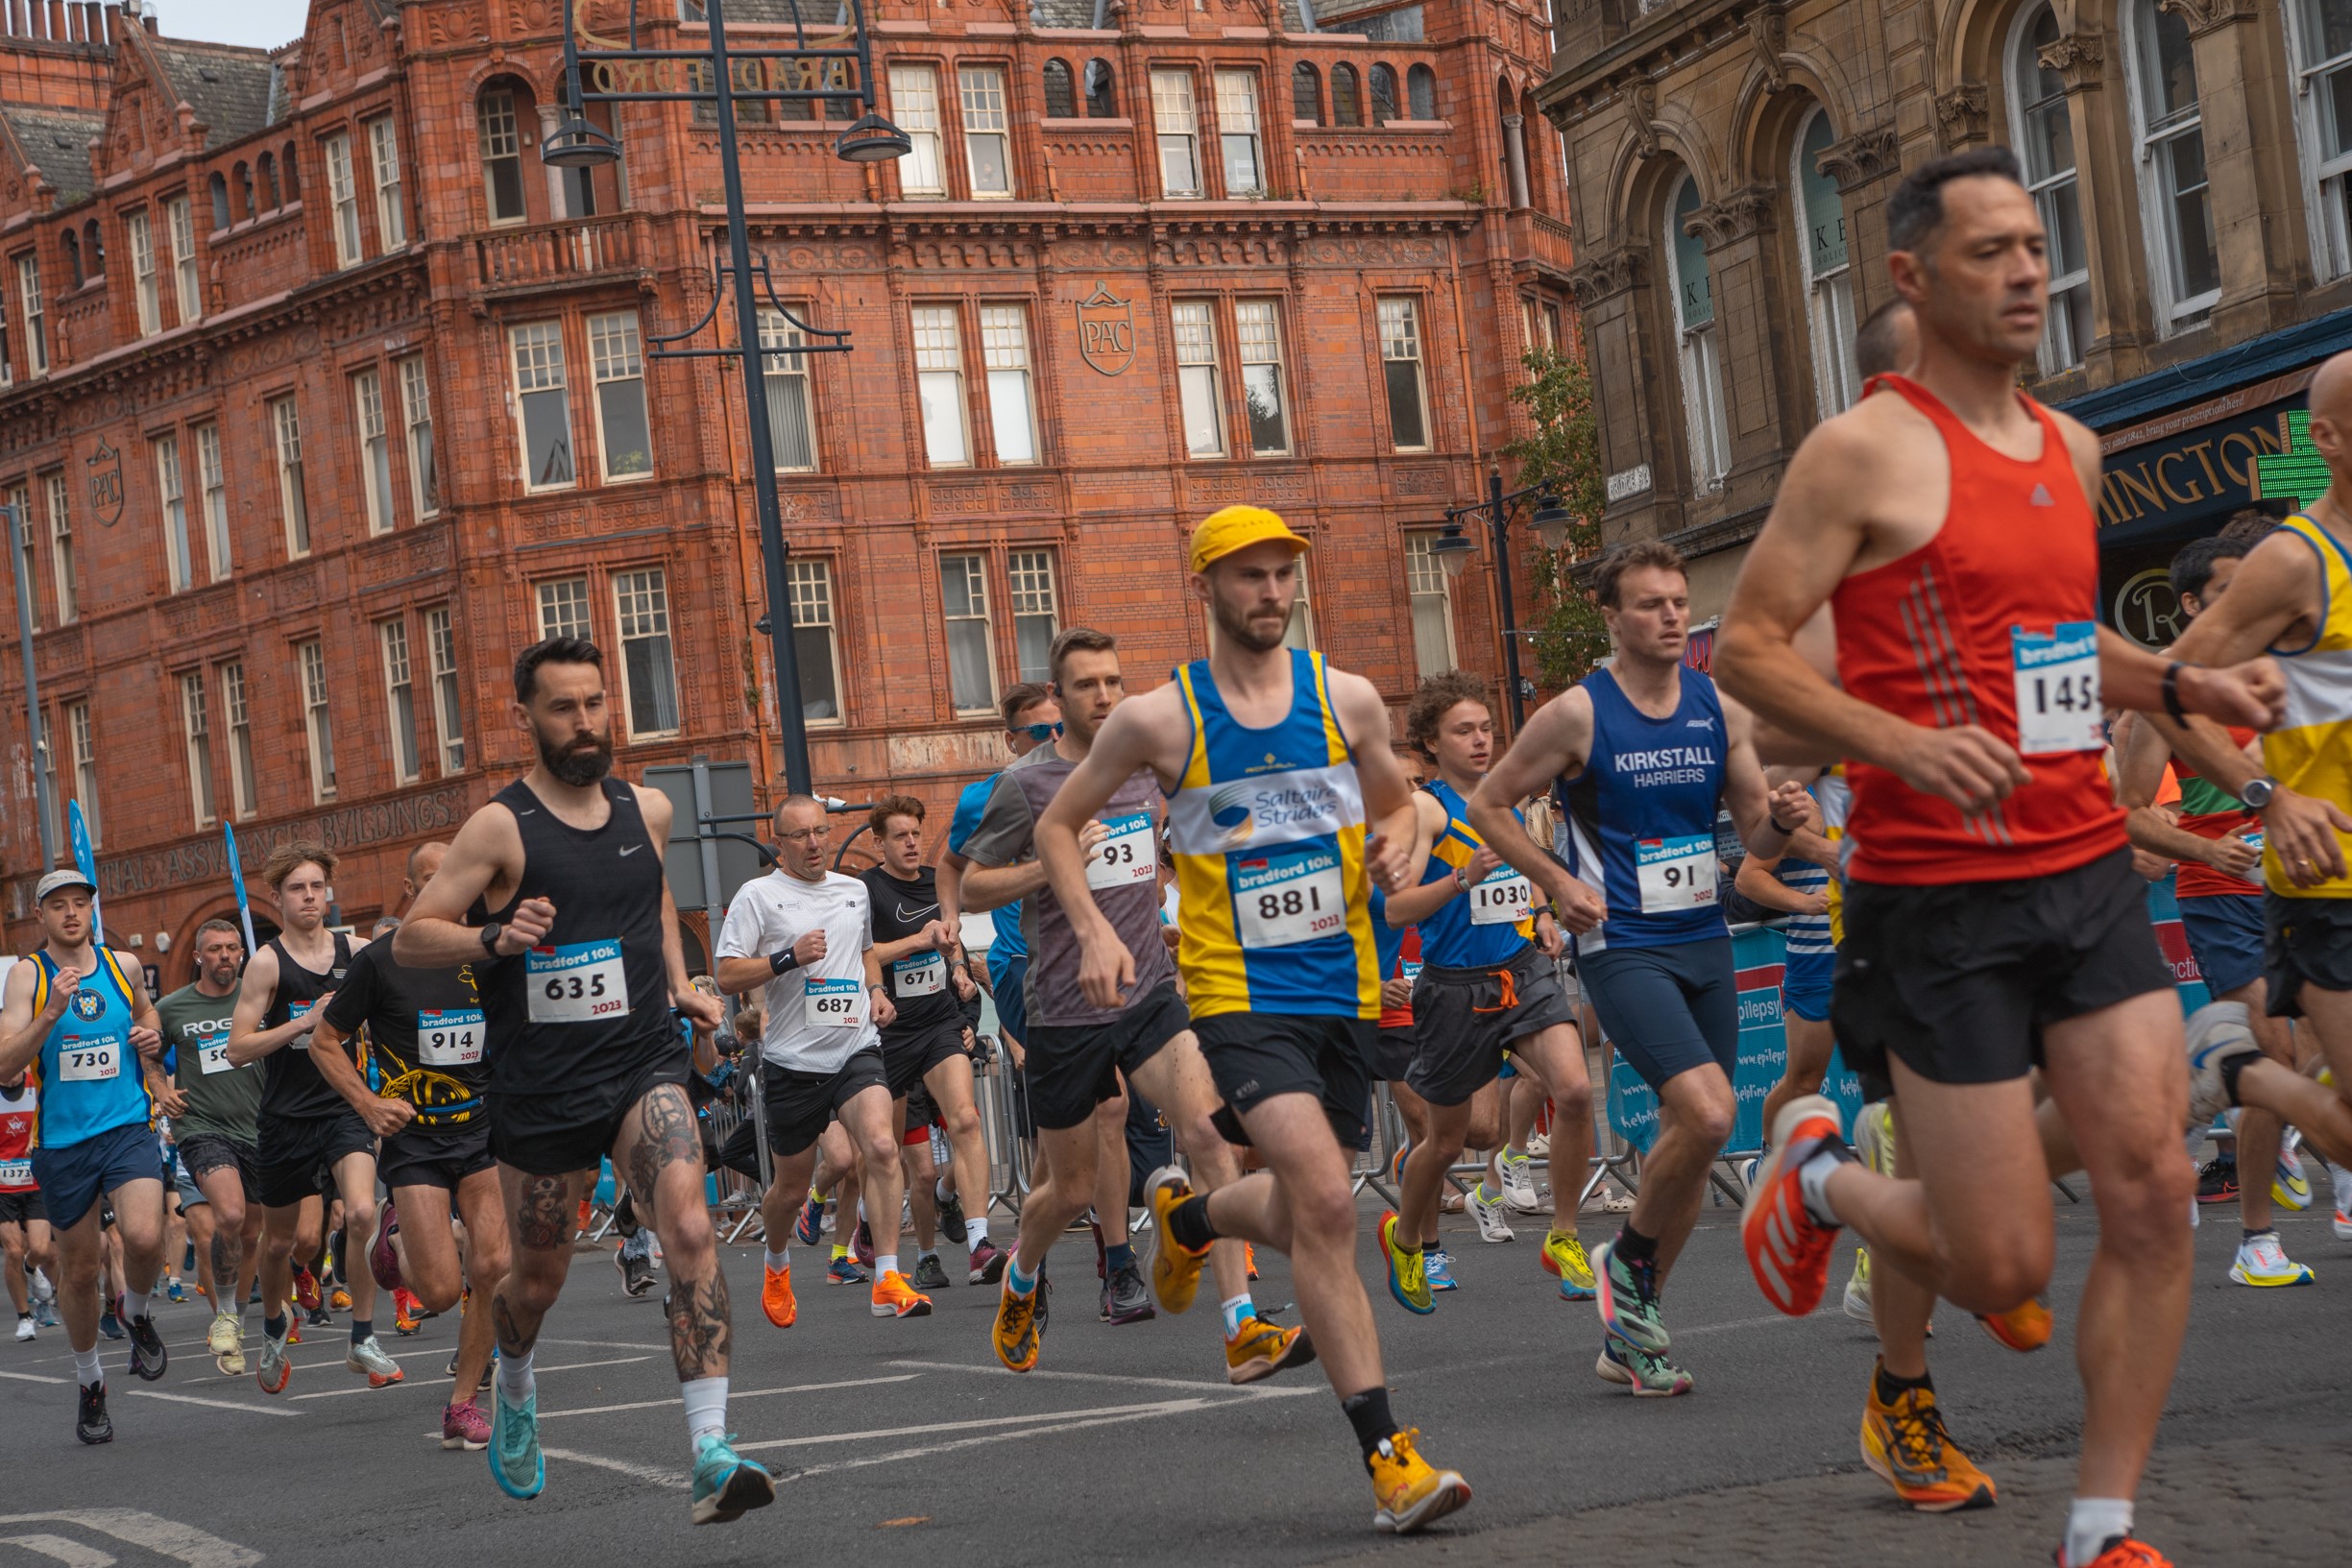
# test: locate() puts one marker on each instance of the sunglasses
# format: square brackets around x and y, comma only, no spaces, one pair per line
[1041,731]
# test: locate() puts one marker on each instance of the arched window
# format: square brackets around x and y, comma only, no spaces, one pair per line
[1346,104]
[1306,93]
[73,259]
[1829,270]
[244,175]
[2045,137]
[1102,91]
[1699,347]
[2185,264]
[1060,91]
[267,170]
[1384,94]
[93,248]
[2319,36]
[285,174]
[218,184]
[1422,93]
[498,138]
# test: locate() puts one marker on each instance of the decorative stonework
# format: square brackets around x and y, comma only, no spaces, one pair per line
[1740,214]
[1610,274]
[2080,58]
[2205,16]
[1962,114]
[1641,105]
[1861,157]
[1769,29]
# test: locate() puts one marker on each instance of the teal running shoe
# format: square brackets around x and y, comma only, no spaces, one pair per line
[1628,1299]
[516,1462]
[727,1486]
[1438,1268]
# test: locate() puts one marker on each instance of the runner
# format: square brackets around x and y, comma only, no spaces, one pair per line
[26,1246]
[218,1128]
[311,1145]
[803,938]
[1487,987]
[418,1087]
[922,1047]
[1650,754]
[1286,805]
[1993,917]
[77,1016]
[1799,888]
[1079,1049]
[582,977]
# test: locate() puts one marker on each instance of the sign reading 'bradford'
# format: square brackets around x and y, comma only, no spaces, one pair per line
[1106,331]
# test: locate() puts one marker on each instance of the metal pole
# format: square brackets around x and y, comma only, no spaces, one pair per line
[1502,581]
[19,549]
[790,720]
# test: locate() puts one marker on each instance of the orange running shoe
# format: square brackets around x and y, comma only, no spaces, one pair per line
[776,1297]
[294,1329]
[587,1214]
[2024,1327]
[2121,1552]
[340,1300]
[404,1318]
[1249,1255]
[1789,1249]
[895,1297]
[1906,1445]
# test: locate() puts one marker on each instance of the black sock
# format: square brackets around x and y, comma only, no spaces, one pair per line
[1189,1227]
[361,1328]
[2229,1075]
[2246,1235]
[1368,1413]
[275,1327]
[1892,1388]
[1635,1248]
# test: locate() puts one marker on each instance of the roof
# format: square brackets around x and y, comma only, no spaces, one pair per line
[58,140]
[228,88]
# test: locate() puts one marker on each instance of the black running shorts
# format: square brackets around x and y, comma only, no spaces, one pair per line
[434,1158]
[1073,1068]
[297,1155]
[2305,940]
[907,1058]
[557,1131]
[802,1105]
[1464,1019]
[1255,1056]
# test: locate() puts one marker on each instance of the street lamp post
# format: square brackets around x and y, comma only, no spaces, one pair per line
[20,552]
[809,72]
[1453,550]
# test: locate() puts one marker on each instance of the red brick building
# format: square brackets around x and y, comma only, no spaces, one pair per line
[325,397]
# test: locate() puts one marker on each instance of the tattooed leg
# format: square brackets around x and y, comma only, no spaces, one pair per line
[701,1332]
[661,1149]
[540,1209]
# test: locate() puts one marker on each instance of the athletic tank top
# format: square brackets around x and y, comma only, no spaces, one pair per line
[1401,958]
[1641,816]
[1268,831]
[1837,802]
[2310,751]
[1488,922]
[591,1002]
[89,1079]
[1804,933]
[1991,622]
[290,1085]
[2211,811]
[19,1127]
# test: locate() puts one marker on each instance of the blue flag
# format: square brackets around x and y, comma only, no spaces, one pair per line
[236,879]
[88,864]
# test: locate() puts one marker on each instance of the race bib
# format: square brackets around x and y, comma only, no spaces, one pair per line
[91,1061]
[301,1009]
[16,1173]
[2057,689]
[1412,969]
[214,1058]
[1289,896]
[575,982]
[919,975]
[1503,899]
[835,1004]
[1675,873]
[1125,856]
[450,1037]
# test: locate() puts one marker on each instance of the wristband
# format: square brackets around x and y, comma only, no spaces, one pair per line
[2171,692]
[779,962]
[1461,880]
[1784,832]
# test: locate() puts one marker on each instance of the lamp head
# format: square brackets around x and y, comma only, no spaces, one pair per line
[872,139]
[1552,521]
[1452,549]
[578,144]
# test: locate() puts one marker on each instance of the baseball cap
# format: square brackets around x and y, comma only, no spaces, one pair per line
[1236,528]
[63,877]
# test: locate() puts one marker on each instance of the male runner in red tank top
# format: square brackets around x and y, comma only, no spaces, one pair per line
[1992,919]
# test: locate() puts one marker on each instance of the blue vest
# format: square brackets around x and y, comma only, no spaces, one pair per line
[1454,936]
[91,1080]
[1641,816]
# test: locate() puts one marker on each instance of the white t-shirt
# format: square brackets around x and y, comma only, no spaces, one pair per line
[820,1015]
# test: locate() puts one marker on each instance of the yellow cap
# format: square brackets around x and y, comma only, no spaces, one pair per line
[1236,528]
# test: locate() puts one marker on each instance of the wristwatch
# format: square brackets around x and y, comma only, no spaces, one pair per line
[491,933]
[2257,792]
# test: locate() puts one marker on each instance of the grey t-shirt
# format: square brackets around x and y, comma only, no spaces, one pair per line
[224,1101]
[1124,877]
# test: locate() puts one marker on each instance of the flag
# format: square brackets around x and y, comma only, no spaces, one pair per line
[88,864]
[236,879]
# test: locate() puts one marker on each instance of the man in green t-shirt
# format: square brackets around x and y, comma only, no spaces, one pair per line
[217,1132]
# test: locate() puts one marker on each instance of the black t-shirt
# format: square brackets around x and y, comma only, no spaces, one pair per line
[918,984]
[425,1036]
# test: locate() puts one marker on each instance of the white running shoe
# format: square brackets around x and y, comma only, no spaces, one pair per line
[2339,1183]
[25,1329]
[1858,1288]
[1519,1183]
[1488,1212]
[2262,1261]
[1540,1146]
[368,1358]
[2290,1188]
[2217,1034]
[1873,1137]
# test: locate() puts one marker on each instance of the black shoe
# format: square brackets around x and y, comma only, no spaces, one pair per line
[109,1326]
[1126,1298]
[91,1423]
[319,1318]
[930,1273]
[2217,1181]
[148,1357]
[489,1370]
[636,1274]
[950,1217]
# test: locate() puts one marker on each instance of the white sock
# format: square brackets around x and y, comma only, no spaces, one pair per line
[1237,1308]
[2092,1522]
[884,1263]
[514,1380]
[706,1409]
[940,1193]
[975,1232]
[135,1305]
[1813,1178]
[780,1260]
[86,1367]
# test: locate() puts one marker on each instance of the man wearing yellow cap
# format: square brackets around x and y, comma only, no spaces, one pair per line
[1285,807]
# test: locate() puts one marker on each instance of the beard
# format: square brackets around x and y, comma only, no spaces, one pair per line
[579,764]
[1235,623]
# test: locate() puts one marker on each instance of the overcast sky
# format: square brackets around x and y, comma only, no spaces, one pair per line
[266,23]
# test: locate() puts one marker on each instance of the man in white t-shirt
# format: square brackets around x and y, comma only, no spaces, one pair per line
[801,937]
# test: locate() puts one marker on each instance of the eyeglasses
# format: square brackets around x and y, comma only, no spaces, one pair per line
[1041,731]
[823,829]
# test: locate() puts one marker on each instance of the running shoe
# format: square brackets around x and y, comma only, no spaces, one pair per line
[148,1357]
[275,1371]
[109,1325]
[1396,1163]
[232,1363]
[516,1462]
[368,1358]
[490,1368]
[1019,1332]
[2262,1260]
[464,1426]
[340,1300]
[1407,1493]
[25,1329]
[1858,1288]
[1565,1260]
[1175,1269]
[1540,1146]
[845,1271]
[91,1423]
[1126,1298]
[2289,1188]
[1519,1183]
[2217,1182]
[1906,1445]
[986,1263]
[1101,1251]
[1488,1211]
[861,1245]
[2023,1328]
[930,1273]
[895,1297]
[636,1272]
[2119,1551]
[226,1335]
[1873,1137]
[1438,1268]
[1249,1258]
[811,1227]
[320,1317]
[1408,1279]
[776,1297]
[174,1290]
[2218,1034]
[2338,1180]
[293,1331]
[406,1314]
[952,1222]
[1260,1349]
[727,1485]
[1644,1373]
[382,1261]
[1789,1249]
[1627,1296]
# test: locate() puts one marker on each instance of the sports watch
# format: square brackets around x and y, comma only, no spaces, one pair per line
[2257,792]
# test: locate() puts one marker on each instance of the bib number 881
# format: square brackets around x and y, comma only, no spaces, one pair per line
[1290,902]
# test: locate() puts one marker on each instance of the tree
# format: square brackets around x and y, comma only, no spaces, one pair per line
[1563,456]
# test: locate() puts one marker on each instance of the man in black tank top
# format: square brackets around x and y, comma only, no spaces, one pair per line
[554,893]
[311,1143]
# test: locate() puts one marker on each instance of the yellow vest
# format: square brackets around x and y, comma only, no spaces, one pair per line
[2310,751]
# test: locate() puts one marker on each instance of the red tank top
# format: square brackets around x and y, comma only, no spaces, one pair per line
[1947,635]
[1408,965]
[18,1120]
[2210,811]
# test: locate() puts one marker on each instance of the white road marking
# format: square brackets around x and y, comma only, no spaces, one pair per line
[181,1543]
[72,1554]
[32,1377]
[568,1367]
[1196,1383]
[734,1397]
[1176,1407]
[651,1474]
[216,1404]
[601,1344]
[1164,1407]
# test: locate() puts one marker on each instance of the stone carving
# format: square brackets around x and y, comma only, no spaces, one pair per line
[1769,29]
[1962,114]
[1607,274]
[1745,211]
[1420,482]
[2203,16]
[959,500]
[2078,58]
[1861,157]
[452,25]
[1642,102]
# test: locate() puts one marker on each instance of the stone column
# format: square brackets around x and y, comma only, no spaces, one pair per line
[2258,223]
[1514,157]
[1639,464]
[2105,159]
[558,204]
[1859,164]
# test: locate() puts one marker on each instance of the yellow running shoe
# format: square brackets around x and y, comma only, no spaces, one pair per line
[1906,1445]
[2024,1327]
[1408,1278]
[1261,1349]
[1565,1260]
[776,1297]
[1019,1333]
[1407,1493]
[1175,1269]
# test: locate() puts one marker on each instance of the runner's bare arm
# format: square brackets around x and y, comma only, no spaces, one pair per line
[885,1011]
[1756,883]
[247,1041]
[1413,904]
[932,936]
[2140,758]
[992,887]
[952,871]
[1131,738]
[1758,809]
[146,1028]
[1817,640]
[22,1030]
[1394,851]
[485,857]
[1554,743]
[331,1054]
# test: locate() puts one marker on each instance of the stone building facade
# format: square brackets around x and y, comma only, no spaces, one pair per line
[323,396]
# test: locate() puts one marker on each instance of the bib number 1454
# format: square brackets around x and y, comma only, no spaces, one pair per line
[2057,689]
